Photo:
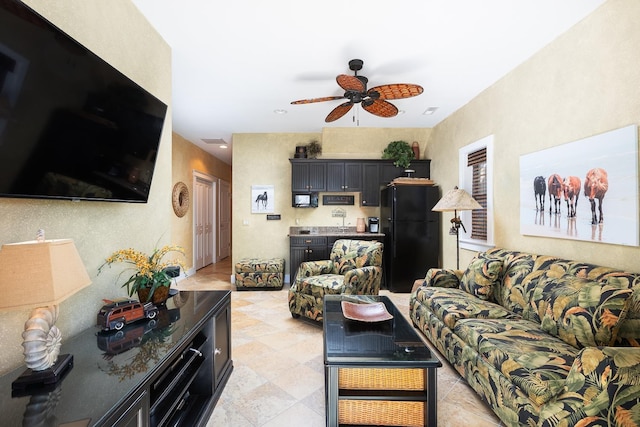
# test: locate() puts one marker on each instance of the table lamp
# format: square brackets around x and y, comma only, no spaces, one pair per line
[456,200]
[40,274]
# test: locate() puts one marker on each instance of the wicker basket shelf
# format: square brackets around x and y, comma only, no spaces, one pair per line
[379,412]
[381,379]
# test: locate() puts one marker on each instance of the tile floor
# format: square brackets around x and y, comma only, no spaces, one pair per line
[278,377]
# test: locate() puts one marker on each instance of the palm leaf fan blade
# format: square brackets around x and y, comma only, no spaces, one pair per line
[312,100]
[380,108]
[397,90]
[350,83]
[338,112]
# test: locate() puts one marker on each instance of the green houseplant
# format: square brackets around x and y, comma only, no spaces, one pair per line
[400,152]
[149,280]
[314,149]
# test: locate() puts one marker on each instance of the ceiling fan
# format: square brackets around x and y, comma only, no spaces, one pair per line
[373,100]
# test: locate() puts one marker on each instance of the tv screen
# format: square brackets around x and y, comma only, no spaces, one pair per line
[71,125]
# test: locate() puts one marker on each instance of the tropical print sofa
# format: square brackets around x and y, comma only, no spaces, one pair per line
[354,267]
[544,341]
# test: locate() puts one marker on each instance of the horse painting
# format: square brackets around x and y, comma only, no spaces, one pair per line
[555,191]
[571,191]
[539,191]
[596,185]
[261,200]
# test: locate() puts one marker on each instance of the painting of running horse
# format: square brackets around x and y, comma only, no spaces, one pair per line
[591,186]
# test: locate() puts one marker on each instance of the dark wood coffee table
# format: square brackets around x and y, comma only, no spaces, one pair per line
[376,373]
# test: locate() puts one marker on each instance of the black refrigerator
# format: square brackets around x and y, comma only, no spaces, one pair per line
[412,234]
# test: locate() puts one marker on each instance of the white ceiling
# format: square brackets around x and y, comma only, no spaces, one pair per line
[236,61]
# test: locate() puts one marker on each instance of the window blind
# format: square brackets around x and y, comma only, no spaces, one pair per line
[478,162]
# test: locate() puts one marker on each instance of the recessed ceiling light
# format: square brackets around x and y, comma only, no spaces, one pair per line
[429,111]
[401,112]
[280,111]
[223,146]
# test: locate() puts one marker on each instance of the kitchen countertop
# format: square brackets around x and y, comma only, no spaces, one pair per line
[329,231]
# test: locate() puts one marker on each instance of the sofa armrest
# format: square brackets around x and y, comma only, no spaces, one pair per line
[443,278]
[313,268]
[602,388]
[363,281]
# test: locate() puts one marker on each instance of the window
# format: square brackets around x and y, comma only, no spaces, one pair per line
[476,177]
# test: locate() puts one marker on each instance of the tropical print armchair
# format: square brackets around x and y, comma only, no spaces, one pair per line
[354,268]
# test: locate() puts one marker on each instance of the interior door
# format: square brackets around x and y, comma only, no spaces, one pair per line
[224,228]
[203,223]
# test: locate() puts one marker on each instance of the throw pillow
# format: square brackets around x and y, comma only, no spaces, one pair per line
[481,276]
[581,312]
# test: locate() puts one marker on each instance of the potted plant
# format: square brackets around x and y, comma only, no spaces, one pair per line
[400,152]
[150,279]
[314,149]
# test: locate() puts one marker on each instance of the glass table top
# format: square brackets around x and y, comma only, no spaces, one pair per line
[393,341]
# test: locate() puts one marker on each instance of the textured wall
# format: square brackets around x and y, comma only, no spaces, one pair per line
[584,83]
[97,228]
[187,158]
[263,159]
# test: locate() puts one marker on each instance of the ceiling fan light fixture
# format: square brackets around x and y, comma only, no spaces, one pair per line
[374,100]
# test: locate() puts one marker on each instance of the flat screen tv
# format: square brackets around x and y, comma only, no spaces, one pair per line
[71,125]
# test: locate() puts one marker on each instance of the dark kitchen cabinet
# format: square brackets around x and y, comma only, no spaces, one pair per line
[370,184]
[365,176]
[344,176]
[305,248]
[308,175]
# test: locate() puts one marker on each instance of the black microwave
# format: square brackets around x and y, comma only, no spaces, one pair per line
[304,200]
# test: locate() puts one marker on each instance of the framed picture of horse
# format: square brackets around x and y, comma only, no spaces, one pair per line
[583,190]
[262,199]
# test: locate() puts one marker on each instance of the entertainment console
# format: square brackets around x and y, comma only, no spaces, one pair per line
[168,371]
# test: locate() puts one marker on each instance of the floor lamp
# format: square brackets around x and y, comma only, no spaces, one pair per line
[456,200]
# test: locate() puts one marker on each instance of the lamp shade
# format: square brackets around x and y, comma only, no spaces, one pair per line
[40,273]
[456,200]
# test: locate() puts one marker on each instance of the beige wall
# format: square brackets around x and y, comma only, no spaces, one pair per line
[187,158]
[97,228]
[263,159]
[584,83]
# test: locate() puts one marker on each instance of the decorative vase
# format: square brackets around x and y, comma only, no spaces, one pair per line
[416,149]
[160,295]
[360,227]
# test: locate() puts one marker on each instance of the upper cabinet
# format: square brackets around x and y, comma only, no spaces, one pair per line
[371,184]
[344,176]
[365,176]
[309,175]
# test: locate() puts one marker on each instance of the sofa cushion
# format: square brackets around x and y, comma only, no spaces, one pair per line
[535,361]
[481,275]
[450,305]
[581,312]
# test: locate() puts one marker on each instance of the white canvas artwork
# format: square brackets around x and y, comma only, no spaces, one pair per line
[262,199]
[583,190]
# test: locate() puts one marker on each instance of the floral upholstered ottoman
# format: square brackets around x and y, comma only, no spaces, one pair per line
[260,274]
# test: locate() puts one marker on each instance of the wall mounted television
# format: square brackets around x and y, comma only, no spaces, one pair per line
[71,125]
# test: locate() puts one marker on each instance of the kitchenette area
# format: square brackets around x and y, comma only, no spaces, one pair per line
[346,191]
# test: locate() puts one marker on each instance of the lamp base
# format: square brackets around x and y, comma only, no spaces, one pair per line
[35,380]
